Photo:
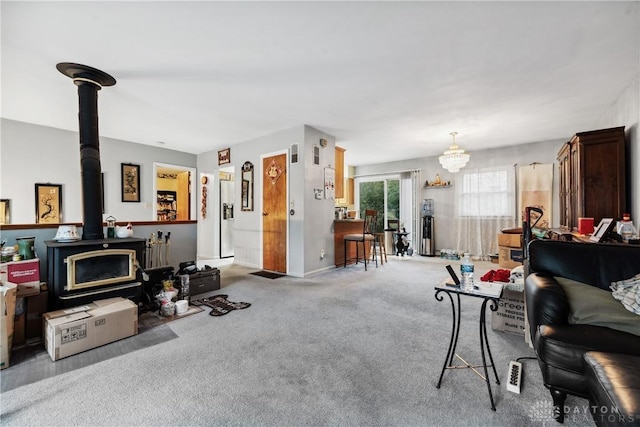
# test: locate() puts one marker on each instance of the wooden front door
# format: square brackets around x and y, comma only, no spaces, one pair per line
[274,213]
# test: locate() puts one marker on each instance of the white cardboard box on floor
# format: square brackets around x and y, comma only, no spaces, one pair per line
[74,330]
[510,314]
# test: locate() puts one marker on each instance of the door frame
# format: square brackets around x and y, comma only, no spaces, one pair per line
[262,174]
[192,189]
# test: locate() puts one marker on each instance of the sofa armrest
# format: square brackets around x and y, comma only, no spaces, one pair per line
[546,302]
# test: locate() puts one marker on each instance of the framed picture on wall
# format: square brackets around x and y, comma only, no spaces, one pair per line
[48,203]
[130,182]
[5,211]
[224,156]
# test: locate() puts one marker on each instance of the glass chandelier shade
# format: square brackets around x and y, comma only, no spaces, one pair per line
[454,158]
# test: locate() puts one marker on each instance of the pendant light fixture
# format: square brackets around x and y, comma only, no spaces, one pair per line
[454,158]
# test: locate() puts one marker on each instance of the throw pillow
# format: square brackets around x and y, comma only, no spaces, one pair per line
[594,306]
[628,293]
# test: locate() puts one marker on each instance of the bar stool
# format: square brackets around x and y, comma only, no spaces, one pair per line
[366,237]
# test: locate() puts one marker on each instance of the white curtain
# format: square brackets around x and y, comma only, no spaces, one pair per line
[484,205]
[410,205]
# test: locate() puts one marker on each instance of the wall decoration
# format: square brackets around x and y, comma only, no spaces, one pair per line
[329,183]
[48,203]
[273,172]
[224,156]
[247,187]
[130,182]
[203,200]
[535,185]
[5,211]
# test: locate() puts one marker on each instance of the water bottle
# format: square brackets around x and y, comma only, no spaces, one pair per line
[466,268]
[626,228]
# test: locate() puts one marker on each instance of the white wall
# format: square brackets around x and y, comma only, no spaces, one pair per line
[626,112]
[38,154]
[318,215]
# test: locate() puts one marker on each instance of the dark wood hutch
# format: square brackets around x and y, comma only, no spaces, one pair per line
[592,177]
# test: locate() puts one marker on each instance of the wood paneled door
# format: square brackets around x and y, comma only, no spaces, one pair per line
[274,213]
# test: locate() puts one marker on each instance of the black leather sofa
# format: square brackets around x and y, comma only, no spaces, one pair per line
[560,345]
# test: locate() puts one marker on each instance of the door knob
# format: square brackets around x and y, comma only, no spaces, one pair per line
[264,214]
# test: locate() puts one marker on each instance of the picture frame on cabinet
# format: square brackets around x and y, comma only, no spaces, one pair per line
[48,203]
[605,226]
[130,175]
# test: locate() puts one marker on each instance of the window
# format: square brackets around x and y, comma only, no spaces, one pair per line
[486,193]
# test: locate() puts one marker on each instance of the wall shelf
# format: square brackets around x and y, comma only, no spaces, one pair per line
[438,186]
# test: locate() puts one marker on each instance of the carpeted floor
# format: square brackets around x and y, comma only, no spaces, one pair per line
[342,348]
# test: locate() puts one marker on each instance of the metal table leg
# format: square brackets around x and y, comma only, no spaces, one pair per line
[485,341]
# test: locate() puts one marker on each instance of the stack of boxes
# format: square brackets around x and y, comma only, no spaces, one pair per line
[30,303]
[510,250]
[510,314]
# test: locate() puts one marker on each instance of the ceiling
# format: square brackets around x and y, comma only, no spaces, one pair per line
[390,80]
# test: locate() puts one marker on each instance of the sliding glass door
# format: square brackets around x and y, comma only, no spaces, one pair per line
[381,194]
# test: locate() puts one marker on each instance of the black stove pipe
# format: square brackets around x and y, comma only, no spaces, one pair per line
[89,81]
[90,162]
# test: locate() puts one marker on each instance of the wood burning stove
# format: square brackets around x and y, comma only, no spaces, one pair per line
[88,270]
[93,268]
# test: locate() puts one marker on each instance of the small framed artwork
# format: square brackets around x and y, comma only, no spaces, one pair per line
[130,182]
[48,203]
[5,211]
[224,156]
[605,226]
[329,183]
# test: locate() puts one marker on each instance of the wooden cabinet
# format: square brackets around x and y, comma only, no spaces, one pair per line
[592,177]
[339,172]
[347,198]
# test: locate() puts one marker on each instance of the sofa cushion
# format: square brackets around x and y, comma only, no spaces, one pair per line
[614,384]
[594,306]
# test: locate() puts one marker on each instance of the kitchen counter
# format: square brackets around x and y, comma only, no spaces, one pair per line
[340,228]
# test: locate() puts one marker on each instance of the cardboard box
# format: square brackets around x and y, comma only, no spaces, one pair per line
[509,257]
[510,240]
[7,313]
[510,314]
[25,274]
[74,330]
